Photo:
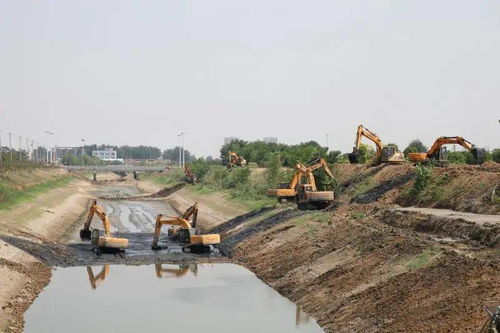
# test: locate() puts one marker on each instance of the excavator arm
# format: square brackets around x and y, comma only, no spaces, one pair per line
[97,210]
[387,154]
[99,278]
[363,131]
[96,238]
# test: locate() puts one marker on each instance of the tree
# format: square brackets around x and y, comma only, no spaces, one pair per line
[495,155]
[173,154]
[333,156]
[365,153]
[415,146]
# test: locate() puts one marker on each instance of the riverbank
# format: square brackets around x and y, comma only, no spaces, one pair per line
[366,266]
[43,220]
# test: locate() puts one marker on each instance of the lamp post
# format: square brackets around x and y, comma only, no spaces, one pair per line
[49,156]
[83,151]
[181,150]
[10,146]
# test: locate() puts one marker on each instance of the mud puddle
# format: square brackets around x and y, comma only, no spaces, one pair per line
[183,298]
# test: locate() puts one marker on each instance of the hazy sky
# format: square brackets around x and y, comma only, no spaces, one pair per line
[139,72]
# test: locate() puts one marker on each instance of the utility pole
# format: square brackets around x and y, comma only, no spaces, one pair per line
[49,157]
[327,145]
[20,149]
[27,150]
[32,151]
[183,151]
[83,151]
[181,148]
[10,146]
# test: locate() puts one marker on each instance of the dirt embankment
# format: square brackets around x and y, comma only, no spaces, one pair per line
[41,222]
[368,265]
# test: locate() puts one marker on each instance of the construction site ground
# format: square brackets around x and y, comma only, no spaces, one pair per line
[378,260]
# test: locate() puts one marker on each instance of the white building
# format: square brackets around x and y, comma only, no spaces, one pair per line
[270,139]
[108,154]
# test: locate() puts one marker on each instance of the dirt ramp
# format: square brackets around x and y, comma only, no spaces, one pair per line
[471,228]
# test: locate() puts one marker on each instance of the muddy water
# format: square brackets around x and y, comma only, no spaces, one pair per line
[167,298]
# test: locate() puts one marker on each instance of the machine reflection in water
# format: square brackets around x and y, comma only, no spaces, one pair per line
[178,272]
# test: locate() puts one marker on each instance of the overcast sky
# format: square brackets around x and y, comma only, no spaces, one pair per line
[139,72]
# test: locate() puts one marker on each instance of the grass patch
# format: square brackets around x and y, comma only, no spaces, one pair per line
[175,177]
[427,257]
[357,215]
[10,197]
[364,186]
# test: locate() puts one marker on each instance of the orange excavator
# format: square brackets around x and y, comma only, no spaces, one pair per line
[191,178]
[102,241]
[438,153]
[236,160]
[184,230]
[305,194]
[387,154]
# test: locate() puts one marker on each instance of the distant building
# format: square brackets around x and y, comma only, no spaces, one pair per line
[270,139]
[108,154]
[229,139]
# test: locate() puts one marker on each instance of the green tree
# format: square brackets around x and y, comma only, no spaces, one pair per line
[495,155]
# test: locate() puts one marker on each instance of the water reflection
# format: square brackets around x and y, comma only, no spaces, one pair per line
[301,317]
[180,271]
[227,296]
[99,278]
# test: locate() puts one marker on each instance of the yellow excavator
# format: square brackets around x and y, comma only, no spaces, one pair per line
[175,272]
[308,196]
[96,280]
[437,151]
[387,154]
[102,241]
[305,194]
[191,178]
[235,160]
[184,230]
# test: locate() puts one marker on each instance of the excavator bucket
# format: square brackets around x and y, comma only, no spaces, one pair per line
[354,157]
[479,155]
[85,234]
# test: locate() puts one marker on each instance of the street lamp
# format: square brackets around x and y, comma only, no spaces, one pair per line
[83,151]
[49,157]
[181,155]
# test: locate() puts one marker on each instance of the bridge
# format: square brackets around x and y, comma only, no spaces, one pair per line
[116,168]
[119,169]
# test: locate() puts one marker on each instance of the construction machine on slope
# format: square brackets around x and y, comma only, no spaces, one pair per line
[190,178]
[185,231]
[235,160]
[438,153]
[96,236]
[387,154]
[306,195]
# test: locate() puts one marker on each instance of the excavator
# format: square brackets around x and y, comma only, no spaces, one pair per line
[102,241]
[307,194]
[236,160]
[176,272]
[184,230]
[437,151]
[387,154]
[191,178]
[96,280]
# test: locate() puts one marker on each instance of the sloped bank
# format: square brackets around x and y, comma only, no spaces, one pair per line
[356,270]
